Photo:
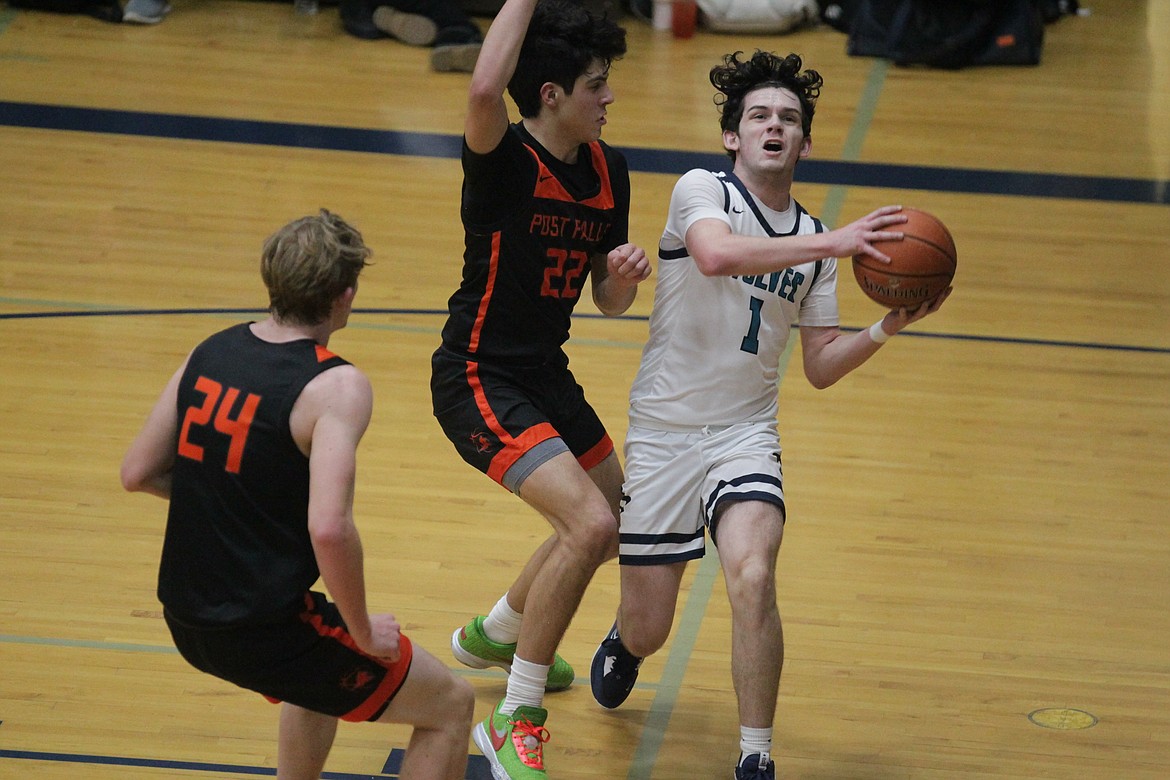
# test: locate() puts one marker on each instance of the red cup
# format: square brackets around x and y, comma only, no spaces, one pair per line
[684,18]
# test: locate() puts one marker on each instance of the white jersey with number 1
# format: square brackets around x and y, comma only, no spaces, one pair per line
[713,354]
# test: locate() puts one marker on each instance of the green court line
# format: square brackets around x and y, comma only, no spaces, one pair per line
[686,635]
[133,647]
[866,107]
[86,643]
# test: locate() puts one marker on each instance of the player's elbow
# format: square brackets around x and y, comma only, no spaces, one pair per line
[821,382]
[714,263]
[135,477]
[819,377]
[331,529]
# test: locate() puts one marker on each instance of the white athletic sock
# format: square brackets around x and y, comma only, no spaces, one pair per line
[525,684]
[502,624]
[754,741]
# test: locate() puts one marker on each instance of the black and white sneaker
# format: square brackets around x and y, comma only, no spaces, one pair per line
[757,766]
[613,672]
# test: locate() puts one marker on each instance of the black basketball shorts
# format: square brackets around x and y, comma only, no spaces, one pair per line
[309,660]
[494,415]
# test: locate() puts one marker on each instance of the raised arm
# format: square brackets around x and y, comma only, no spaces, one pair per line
[487,113]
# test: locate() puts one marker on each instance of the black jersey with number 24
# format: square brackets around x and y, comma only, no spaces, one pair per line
[237,547]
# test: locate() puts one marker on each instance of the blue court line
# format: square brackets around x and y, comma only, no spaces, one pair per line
[159,763]
[415,144]
[477,766]
[1019,341]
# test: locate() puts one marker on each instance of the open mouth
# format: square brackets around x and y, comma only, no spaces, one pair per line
[773,146]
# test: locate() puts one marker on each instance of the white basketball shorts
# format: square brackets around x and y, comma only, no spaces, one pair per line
[676,483]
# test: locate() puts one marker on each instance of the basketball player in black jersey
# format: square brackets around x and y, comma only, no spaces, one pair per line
[253,442]
[545,207]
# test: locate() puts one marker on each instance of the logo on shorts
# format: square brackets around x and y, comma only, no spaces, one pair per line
[482,442]
[356,680]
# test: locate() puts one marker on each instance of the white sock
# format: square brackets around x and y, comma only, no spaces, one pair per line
[525,685]
[754,741]
[502,624]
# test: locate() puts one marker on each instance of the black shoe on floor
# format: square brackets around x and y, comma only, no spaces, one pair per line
[613,672]
[757,766]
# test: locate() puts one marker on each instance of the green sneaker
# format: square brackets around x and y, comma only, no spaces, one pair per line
[471,647]
[514,744]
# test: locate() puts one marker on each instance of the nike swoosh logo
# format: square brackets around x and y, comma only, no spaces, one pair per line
[497,738]
[737,211]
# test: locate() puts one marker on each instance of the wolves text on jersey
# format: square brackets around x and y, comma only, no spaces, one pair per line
[783,283]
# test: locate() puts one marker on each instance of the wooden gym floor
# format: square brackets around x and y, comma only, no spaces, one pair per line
[975,575]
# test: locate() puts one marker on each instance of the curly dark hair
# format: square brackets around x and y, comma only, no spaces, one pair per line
[735,78]
[563,39]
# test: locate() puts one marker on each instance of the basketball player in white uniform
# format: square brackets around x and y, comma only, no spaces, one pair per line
[740,262]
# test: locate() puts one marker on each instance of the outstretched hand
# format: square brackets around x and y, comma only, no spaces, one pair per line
[857,238]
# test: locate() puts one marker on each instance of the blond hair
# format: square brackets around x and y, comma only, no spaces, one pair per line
[308,263]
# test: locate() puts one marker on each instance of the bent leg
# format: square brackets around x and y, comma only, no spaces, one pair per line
[646,612]
[440,707]
[748,536]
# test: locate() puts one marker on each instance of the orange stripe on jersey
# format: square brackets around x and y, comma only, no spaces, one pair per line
[597,453]
[323,354]
[550,188]
[493,266]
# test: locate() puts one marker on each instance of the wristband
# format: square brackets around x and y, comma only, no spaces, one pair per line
[878,335]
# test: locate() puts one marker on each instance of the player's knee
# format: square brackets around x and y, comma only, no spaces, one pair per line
[592,536]
[462,702]
[456,699]
[643,644]
[751,582]
[645,633]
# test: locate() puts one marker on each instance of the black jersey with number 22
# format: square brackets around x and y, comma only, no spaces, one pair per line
[533,225]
